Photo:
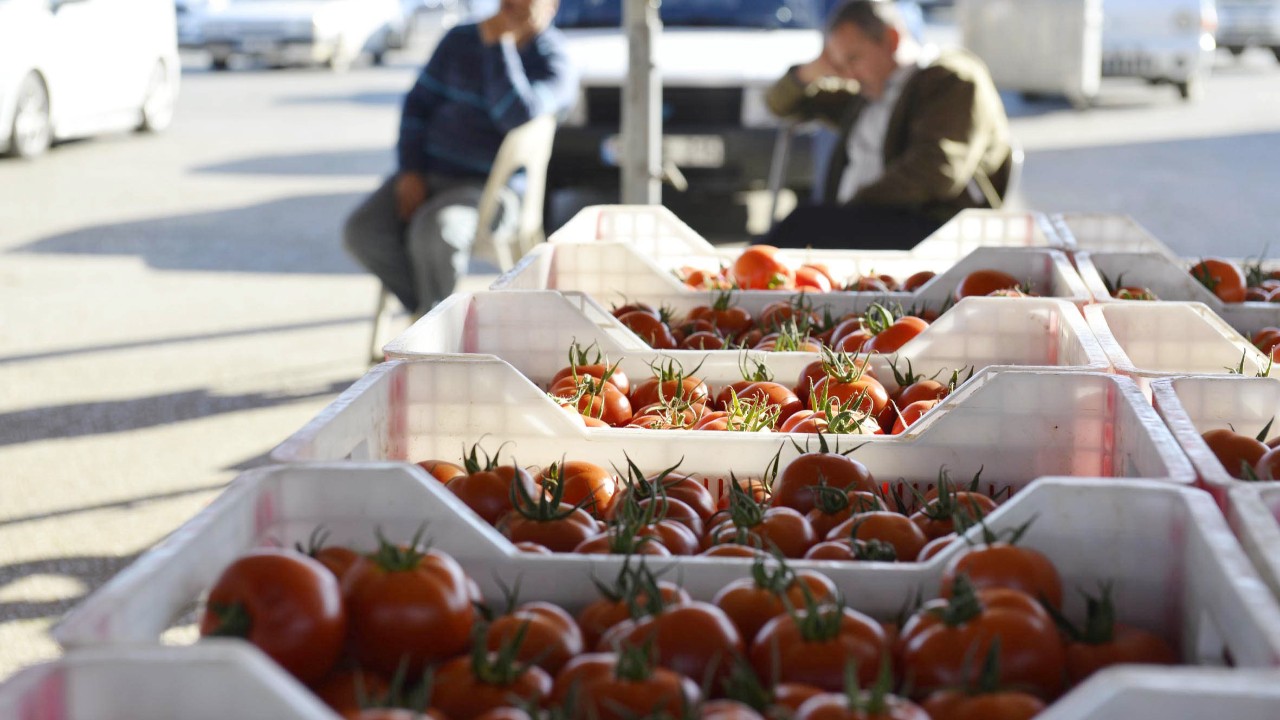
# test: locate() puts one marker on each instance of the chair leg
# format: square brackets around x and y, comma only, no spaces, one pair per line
[381,325]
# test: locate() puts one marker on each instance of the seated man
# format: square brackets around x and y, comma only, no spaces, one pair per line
[483,80]
[923,134]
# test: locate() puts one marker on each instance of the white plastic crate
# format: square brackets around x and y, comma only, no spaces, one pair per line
[614,272]
[1177,568]
[215,680]
[533,331]
[1017,425]
[1149,340]
[1107,233]
[1180,693]
[1192,406]
[657,232]
[1253,511]
[1169,280]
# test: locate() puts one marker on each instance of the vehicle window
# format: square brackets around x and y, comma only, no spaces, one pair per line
[699,13]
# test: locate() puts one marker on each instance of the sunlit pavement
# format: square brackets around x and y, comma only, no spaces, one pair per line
[174,306]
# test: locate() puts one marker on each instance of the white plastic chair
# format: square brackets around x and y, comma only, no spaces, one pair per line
[527,147]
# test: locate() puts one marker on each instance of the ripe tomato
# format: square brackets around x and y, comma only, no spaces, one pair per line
[1235,451]
[606,686]
[780,528]
[703,340]
[658,390]
[889,527]
[1102,642]
[1003,565]
[1268,466]
[937,517]
[467,687]
[910,414]
[835,506]
[284,602]
[984,282]
[866,391]
[674,510]
[734,550]
[902,331]
[935,546]
[752,602]
[442,470]
[795,485]
[730,320]
[650,329]
[939,637]
[584,483]
[487,490]
[558,528]
[594,398]
[917,281]
[339,560]
[728,710]
[408,606]
[612,374]
[685,488]
[775,394]
[758,268]
[1222,277]
[599,615]
[695,639]
[1267,339]
[347,690]
[810,278]
[814,645]
[1000,705]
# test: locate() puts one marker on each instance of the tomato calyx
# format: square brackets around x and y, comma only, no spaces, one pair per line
[751,415]
[873,550]
[773,576]
[947,504]
[759,373]
[632,584]
[578,355]
[874,703]
[830,500]
[877,318]
[549,504]
[636,663]
[743,685]
[472,464]
[907,379]
[744,511]
[723,301]
[395,558]
[1099,618]
[964,604]
[672,371]
[1200,271]
[500,668]
[316,541]
[234,620]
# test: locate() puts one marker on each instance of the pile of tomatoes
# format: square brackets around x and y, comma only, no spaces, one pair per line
[837,393]
[1246,457]
[404,633]
[823,505]
[1229,281]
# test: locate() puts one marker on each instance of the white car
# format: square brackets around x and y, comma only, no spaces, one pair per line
[1242,23]
[302,32]
[1161,41]
[73,68]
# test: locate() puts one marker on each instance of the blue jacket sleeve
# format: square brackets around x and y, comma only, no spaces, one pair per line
[516,96]
[419,104]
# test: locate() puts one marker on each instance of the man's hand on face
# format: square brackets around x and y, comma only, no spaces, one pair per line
[411,191]
[823,66]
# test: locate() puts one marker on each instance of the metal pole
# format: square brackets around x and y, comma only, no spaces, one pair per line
[641,107]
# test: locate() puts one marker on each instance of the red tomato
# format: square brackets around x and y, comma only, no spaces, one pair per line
[658,389]
[704,340]
[729,319]
[598,616]
[752,602]
[606,687]
[912,413]
[347,690]
[779,528]
[1000,705]
[1235,451]
[813,646]
[728,710]
[775,394]
[917,281]
[921,390]
[284,602]
[1103,642]
[442,470]
[487,490]
[834,506]
[810,278]
[935,546]
[650,329]
[613,374]
[862,393]
[757,268]
[937,517]
[902,331]
[839,706]
[695,639]
[584,483]
[984,282]
[685,488]
[794,487]
[594,399]
[1222,277]
[1003,565]
[408,606]
[889,527]
[559,527]
[467,687]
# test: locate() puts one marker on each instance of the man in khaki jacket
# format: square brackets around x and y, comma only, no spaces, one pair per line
[923,134]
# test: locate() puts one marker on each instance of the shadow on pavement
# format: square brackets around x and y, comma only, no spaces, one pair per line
[361,98]
[348,162]
[112,416]
[1233,179]
[92,570]
[289,235]
[116,505]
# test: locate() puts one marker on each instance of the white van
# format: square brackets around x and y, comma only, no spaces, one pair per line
[1161,41]
[73,68]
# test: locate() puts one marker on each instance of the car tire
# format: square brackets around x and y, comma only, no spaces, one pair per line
[1191,89]
[1235,50]
[220,64]
[157,106]
[1276,51]
[32,130]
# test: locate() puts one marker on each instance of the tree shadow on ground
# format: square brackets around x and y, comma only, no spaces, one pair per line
[91,570]
[377,162]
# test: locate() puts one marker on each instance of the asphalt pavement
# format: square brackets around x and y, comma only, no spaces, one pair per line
[172,307]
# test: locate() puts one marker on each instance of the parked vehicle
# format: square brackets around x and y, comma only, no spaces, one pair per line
[191,18]
[1244,23]
[333,33]
[1161,41]
[74,68]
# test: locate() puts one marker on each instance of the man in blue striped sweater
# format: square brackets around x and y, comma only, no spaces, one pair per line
[483,80]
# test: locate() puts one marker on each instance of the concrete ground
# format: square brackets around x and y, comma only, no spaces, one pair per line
[172,307]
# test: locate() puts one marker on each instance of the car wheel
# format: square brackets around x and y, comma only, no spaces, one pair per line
[1235,50]
[1276,51]
[1191,89]
[220,63]
[379,57]
[32,131]
[157,107]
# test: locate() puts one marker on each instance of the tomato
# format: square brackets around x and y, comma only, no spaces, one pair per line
[813,646]
[634,306]
[729,319]
[751,602]
[730,549]
[487,490]
[810,278]
[910,414]
[547,521]
[788,697]
[339,560]
[1103,642]
[684,488]
[1268,466]
[582,366]
[902,331]
[1003,565]
[937,517]
[408,606]
[594,398]
[347,690]
[917,281]
[897,530]
[1235,451]
[467,687]
[675,510]
[866,391]
[650,329]
[585,484]
[704,340]
[863,706]
[795,485]
[775,394]
[287,604]
[442,470]
[1267,339]
[532,548]
[834,506]
[657,390]
[673,535]
[607,686]
[599,615]
[694,638]
[1134,293]
[935,546]
[780,528]
[939,637]
[758,268]
[984,282]
[617,540]
[1002,705]
[1222,278]
[798,311]
[869,283]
